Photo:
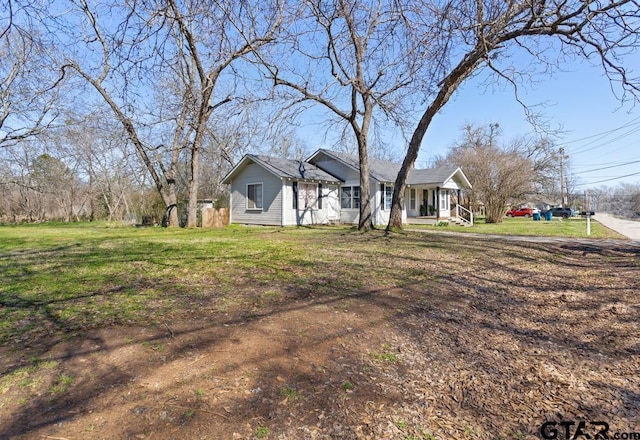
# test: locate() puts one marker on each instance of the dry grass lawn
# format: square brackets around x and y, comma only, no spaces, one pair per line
[320,333]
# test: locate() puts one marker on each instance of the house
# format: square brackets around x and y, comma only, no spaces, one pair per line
[325,188]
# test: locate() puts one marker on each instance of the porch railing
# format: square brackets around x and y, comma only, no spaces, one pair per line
[464,214]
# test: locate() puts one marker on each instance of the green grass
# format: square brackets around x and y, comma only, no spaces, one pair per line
[59,280]
[573,227]
[386,355]
[289,393]
[61,384]
[262,432]
[69,278]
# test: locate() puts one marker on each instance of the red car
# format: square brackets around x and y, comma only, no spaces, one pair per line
[520,212]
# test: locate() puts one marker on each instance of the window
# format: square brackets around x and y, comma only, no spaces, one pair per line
[307,195]
[444,199]
[345,197]
[412,199]
[356,197]
[350,197]
[254,196]
[388,197]
[295,195]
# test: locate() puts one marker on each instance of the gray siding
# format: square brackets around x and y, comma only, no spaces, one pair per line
[336,168]
[271,213]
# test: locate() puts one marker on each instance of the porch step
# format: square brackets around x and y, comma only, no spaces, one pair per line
[457,221]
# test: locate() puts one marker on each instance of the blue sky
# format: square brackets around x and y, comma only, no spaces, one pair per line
[599,133]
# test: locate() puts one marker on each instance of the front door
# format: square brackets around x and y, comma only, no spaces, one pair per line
[425,201]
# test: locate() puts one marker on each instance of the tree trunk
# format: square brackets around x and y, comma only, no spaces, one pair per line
[395,217]
[449,85]
[171,204]
[194,181]
[365,223]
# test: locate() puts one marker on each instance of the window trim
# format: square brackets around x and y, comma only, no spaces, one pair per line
[387,190]
[352,196]
[412,198]
[444,200]
[294,188]
[248,200]
[342,197]
[304,186]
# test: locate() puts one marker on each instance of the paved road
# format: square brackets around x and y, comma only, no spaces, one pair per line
[628,228]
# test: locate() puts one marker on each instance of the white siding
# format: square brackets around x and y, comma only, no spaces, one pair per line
[271,212]
[407,201]
[450,184]
[308,216]
[350,215]
[379,215]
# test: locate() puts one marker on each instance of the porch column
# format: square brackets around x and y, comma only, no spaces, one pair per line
[437,204]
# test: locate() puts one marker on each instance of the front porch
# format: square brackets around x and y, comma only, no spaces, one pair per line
[429,206]
[422,220]
[462,220]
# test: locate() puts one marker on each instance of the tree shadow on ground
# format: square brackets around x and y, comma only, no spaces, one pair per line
[431,336]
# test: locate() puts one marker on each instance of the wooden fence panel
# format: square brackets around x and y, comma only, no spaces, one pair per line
[215,218]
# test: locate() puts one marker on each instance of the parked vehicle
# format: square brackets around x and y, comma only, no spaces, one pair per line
[520,212]
[559,211]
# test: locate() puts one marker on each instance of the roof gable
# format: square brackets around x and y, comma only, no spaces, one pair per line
[381,170]
[438,176]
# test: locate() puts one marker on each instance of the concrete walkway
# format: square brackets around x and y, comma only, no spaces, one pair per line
[628,228]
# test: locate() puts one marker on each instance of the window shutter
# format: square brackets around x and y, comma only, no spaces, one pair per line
[382,196]
[295,195]
[319,195]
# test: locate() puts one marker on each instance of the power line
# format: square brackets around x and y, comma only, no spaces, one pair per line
[610,166]
[585,148]
[604,163]
[613,130]
[608,180]
[600,139]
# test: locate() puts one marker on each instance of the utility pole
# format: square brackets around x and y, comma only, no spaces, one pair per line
[561,177]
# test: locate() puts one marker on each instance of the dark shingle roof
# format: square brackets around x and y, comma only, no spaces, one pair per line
[381,170]
[386,171]
[293,169]
[430,176]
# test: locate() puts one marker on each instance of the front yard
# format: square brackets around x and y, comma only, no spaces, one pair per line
[575,227]
[312,333]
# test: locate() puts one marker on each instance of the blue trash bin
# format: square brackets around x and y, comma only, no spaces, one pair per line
[548,215]
[536,216]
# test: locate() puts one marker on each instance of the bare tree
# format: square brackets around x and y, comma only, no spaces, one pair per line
[180,50]
[29,89]
[99,150]
[501,173]
[350,57]
[482,34]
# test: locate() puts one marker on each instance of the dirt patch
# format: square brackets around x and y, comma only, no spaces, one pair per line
[432,338]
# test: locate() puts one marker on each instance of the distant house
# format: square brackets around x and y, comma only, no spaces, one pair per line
[325,188]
